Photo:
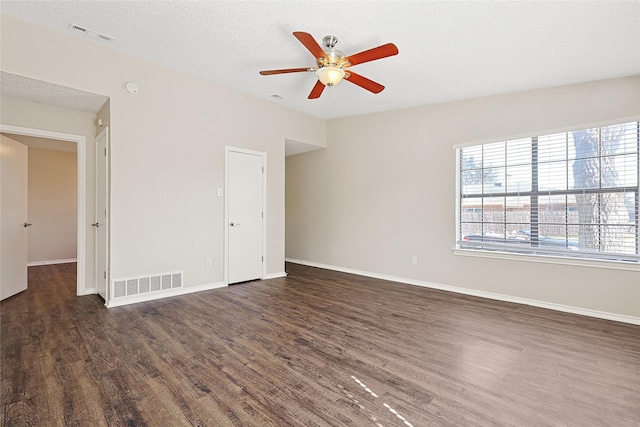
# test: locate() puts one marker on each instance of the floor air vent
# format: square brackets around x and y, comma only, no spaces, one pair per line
[142,285]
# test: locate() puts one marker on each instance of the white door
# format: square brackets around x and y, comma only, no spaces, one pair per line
[13,217]
[245,173]
[101,223]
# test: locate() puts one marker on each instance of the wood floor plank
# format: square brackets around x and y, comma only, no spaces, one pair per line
[316,348]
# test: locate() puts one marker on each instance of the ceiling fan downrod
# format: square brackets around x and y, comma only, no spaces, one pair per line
[330,41]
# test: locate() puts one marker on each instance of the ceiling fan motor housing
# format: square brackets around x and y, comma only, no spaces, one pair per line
[333,57]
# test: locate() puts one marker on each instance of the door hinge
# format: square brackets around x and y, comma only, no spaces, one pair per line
[263,169]
[262,258]
[105,274]
[105,152]
[262,214]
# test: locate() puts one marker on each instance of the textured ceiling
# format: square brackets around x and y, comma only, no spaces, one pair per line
[448,50]
[14,86]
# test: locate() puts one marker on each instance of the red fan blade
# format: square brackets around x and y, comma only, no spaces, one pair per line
[284,71]
[317,90]
[309,42]
[379,52]
[364,82]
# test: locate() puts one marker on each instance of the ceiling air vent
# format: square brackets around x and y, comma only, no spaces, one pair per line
[89,32]
[277,97]
[105,37]
[78,28]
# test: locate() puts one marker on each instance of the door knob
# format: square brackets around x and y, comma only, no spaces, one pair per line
[26,224]
[97,224]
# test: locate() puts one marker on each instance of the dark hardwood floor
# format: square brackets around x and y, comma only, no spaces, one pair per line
[317,348]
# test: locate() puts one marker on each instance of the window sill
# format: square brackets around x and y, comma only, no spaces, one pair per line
[548,259]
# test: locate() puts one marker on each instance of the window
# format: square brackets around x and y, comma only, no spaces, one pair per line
[570,194]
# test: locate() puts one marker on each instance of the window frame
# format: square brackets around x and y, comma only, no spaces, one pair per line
[535,253]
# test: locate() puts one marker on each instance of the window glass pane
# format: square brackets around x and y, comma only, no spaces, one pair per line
[612,208]
[518,204]
[629,239]
[519,152]
[611,139]
[519,178]
[494,180]
[471,210]
[571,147]
[619,171]
[552,148]
[494,232]
[611,169]
[493,155]
[552,212]
[616,239]
[587,208]
[572,210]
[630,204]
[471,170]
[552,176]
[629,139]
[585,143]
[602,221]
[629,242]
[585,173]
[572,235]
[493,209]
[471,188]
[554,237]
[471,157]
[518,214]
[470,230]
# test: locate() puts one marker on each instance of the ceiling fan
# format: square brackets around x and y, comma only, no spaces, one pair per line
[333,66]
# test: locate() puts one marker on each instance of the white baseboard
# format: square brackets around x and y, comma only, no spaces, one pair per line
[274,275]
[53,261]
[134,299]
[88,291]
[489,295]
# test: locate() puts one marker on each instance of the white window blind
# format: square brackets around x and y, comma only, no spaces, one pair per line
[570,194]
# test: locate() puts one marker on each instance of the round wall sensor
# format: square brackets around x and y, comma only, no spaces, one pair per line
[132,88]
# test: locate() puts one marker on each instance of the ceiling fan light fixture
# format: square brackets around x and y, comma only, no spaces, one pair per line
[330,75]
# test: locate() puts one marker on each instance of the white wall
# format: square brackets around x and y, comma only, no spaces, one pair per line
[167,151]
[384,190]
[53,185]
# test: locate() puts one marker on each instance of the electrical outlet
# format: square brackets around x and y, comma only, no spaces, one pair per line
[414,260]
[209,262]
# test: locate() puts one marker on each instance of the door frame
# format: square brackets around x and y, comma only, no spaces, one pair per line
[228,149]
[107,156]
[81,144]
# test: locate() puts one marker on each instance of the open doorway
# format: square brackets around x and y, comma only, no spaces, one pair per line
[55,197]
[52,200]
